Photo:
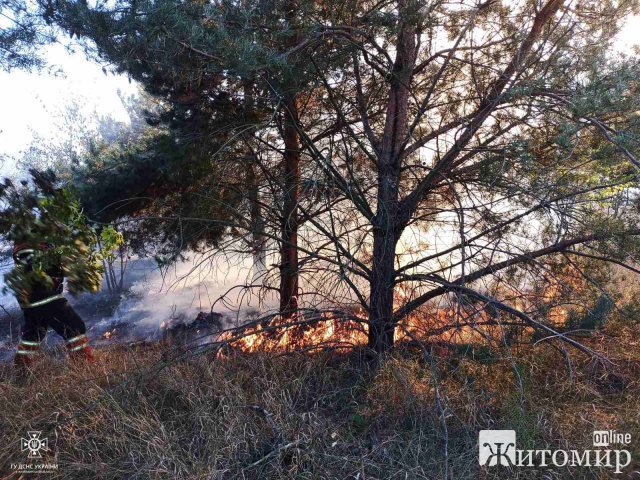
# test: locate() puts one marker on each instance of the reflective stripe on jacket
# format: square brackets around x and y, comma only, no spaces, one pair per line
[40,294]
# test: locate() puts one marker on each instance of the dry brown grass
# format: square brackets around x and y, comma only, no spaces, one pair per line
[310,416]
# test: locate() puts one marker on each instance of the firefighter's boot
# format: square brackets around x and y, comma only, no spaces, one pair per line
[79,349]
[26,355]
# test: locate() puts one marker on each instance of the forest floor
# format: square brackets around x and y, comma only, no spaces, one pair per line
[137,413]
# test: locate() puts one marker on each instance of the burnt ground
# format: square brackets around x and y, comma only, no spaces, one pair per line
[120,318]
[104,328]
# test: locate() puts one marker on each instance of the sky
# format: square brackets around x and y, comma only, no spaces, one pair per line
[32,101]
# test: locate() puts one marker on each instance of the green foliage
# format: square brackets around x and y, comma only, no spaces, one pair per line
[594,317]
[22,35]
[51,220]
[180,187]
[110,240]
[630,311]
[176,196]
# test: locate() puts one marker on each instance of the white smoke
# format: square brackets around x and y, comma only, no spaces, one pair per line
[158,298]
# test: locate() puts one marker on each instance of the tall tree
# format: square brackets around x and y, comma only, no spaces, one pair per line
[497,119]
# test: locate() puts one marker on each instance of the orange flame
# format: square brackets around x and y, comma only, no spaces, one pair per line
[297,334]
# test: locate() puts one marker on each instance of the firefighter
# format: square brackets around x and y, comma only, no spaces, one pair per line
[47,307]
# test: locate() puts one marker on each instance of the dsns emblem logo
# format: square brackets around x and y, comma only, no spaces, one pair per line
[497,447]
[34,444]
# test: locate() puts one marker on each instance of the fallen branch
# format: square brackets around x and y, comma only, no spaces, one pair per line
[287,446]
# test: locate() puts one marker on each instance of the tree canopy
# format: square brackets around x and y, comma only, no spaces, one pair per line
[400,152]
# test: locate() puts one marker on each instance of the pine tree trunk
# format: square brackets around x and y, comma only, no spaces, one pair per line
[289,227]
[291,187]
[387,226]
[381,324]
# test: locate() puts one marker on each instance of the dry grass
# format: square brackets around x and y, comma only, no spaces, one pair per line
[321,416]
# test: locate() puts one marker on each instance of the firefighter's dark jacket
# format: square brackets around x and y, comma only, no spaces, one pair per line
[39,294]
